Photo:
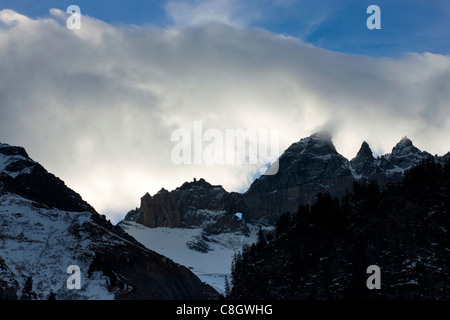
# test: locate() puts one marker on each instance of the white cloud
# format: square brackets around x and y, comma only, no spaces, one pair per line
[229,12]
[97,106]
[10,17]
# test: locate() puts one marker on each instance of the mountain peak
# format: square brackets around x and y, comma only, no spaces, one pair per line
[405,141]
[322,135]
[364,162]
[312,160]
[22,176]
[9,150]
[365,151]
[404,155]
[317,143]
[405,138]
[404,146]
[202,183]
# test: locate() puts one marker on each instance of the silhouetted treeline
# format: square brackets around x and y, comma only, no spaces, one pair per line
[322,251]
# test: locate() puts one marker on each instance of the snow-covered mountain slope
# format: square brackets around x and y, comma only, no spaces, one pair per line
[37,243]
[211,265]
[14,161]
[44,230]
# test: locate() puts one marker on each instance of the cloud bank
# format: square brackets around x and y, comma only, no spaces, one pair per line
[97,106]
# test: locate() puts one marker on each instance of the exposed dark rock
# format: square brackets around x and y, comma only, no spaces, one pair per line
[8,284]
[199,244]
[194,204]
[323,252]
[133,271]
[29,179]
[133,215]
[405,155]
[307,168]
[8,150]
[364,164]
[313,160]
[136,273]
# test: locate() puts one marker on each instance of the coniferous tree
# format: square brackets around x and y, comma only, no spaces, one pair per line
[323,251]
[227,287]
[283,223]
[51,296]
[261,242]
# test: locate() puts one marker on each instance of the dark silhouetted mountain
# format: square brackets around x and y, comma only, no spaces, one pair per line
[364,164]
[312,160]
[46,227]
[307,168]
[29,179]
[194,204]
[323,251]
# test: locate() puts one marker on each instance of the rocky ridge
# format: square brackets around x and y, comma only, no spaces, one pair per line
[25,177]
[194,204]
[307,168]
[45,227]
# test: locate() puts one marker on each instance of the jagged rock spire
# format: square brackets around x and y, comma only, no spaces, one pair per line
[364,162]
[405,154]
[365,151]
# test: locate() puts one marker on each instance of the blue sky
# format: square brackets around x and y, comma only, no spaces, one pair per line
[407,26]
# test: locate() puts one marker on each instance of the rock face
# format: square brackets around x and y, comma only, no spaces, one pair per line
[404,155]
[194,204]
[29,179]
[364,164]
[307,168]
[8,285]
[389,167]
[45,227]
[311,161]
